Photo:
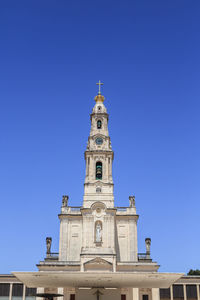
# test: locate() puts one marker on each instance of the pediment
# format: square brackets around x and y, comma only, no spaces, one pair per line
[98,263]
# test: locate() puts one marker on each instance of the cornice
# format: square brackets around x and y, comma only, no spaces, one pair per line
[136,217]
[99,115]
[94,183]
[99,151]
[69,215]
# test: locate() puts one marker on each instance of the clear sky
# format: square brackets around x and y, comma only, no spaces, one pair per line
[147,53]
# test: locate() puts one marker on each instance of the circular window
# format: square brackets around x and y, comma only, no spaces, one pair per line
[99,141]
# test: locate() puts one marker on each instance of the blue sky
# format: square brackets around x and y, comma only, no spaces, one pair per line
[147,54]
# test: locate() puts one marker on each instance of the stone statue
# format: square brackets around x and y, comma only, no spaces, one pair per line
[132,201]
[98,233]
[148,245]
[65,200]
[48,245]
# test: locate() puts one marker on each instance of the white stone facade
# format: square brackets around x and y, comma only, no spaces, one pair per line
[98,235]
[98,255]
[118,227]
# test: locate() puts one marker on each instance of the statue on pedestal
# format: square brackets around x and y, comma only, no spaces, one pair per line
[65,200]
[148,245]
[48,245]
[98,232]
[132,201]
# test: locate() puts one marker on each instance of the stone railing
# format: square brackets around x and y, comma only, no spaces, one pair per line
[144,256]
[71,209]
[52,256]
[121,208]
[74,208]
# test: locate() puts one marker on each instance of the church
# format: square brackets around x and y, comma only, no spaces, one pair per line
[98,254]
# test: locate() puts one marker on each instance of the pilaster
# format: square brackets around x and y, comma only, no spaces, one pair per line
[135,294]
[61,291]
[155,294]
[40,290]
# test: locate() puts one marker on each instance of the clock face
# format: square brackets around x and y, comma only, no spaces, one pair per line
[99,141]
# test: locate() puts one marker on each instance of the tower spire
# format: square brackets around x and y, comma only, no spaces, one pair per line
[99,157]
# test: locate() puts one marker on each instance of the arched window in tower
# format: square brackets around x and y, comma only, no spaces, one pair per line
[99,124]
[99,170]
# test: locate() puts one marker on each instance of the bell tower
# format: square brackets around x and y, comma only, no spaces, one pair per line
[98,184]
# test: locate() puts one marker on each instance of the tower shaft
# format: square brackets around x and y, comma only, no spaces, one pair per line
[98,184]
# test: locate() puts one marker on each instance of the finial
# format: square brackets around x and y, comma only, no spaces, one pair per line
[99,97]
[99,84]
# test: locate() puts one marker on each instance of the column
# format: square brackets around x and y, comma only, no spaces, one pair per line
[24,292]
[10,292]
[198,296]
[155,294]
[184,292]
[135,294]
[171,292]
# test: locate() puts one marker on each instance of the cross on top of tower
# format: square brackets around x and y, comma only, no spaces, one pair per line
[99,84]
